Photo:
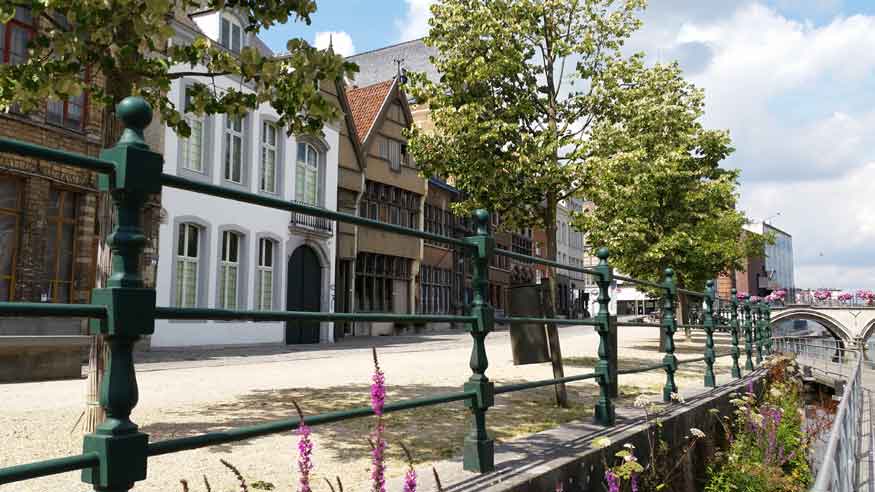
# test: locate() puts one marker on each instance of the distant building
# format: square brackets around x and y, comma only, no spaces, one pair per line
[386,263]
[779,257]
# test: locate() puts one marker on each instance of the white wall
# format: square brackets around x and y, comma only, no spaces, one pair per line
[254,220]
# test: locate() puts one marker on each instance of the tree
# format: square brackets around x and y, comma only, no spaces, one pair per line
[513,102]
[660,196]
[115,48]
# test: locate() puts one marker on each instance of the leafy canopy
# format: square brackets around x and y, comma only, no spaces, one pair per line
[660,196]
[126,47]
[515,97]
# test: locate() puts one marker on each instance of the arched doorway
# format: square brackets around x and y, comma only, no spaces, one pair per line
[303,293]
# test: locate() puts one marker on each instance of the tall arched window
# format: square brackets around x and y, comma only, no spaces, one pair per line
[307,174]
[187,271]
[264,274]
[229,270]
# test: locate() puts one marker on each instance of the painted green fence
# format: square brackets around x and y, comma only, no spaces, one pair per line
[115,456]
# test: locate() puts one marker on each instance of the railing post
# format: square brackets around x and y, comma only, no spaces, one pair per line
[710,380]
[604,409]
[733,328]
[479,448]
[669,327]
[117,441]
[748,336]
[758,319]
[767,320]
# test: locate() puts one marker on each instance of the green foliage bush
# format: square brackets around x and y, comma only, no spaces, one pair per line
[768,445]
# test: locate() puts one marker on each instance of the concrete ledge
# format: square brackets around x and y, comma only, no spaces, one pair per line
[565,455]
[39,358]
[43,341]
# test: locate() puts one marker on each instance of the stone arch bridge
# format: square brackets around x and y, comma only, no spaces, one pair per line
[850,324]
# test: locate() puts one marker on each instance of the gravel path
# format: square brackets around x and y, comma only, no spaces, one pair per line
[186,392]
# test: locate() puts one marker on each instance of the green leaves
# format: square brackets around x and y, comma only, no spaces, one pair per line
[130,47]
[661,198]
[511,111]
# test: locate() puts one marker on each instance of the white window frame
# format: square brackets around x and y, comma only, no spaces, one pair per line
[183,259]
[233,136]
[229,267]
[197,123]
[264,285]
[268,127]
[233,27]
[310,171]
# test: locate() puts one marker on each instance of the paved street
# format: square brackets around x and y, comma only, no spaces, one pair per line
[188,392]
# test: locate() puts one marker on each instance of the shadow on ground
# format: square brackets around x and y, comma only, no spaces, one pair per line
[432,433]
[351,343]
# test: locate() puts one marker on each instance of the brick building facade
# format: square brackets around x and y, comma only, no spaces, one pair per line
[48,213]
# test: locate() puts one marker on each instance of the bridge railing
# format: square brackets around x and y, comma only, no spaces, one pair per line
[840,467]
[115,456]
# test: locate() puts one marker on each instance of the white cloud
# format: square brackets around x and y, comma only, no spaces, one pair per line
[832,222]
[797,97]
[341,41]
[414,24]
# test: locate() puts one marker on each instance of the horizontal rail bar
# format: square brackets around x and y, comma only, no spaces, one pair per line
[509,388]
[249,432]
[228,315]
[542,261]
[647,325]
[35,309]
[48,467]
[692,292]
[699,359]
[243,196]
[557,321]
[74,159]
[641,369]
[633,280]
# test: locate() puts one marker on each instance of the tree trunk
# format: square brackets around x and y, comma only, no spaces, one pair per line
[550,307]
[97,354]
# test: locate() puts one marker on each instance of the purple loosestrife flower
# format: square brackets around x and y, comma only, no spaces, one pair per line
[613,481]
[633,482]
[305,452]
[410,480]
[378,453]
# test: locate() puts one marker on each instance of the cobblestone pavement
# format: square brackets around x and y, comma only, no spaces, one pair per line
[185,392]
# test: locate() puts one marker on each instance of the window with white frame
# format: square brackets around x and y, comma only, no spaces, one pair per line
[231,36]
[193,146]
[229,270]
[187,257]
[268,157]
[264,275]
[234,149]
[307,174]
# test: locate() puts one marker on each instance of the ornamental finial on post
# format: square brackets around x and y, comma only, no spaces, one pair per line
[136,114]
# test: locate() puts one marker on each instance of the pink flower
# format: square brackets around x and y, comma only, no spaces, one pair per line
[378,452]
[305,452]
[410,480]
[613,481]
[742,296]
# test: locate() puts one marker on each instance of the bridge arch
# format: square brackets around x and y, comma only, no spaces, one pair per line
[836,328]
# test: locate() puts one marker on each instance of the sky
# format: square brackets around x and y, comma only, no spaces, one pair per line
[792,80]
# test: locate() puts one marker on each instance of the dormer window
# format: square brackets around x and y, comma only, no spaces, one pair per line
[231,35]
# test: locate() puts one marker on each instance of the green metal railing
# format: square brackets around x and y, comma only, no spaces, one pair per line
[115,456]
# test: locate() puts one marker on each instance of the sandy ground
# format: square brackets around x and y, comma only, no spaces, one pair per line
[187,393]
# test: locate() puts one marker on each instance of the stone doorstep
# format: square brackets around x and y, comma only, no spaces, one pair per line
[537,462]
[13,342]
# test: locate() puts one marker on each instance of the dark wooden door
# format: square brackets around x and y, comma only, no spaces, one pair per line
[303,293]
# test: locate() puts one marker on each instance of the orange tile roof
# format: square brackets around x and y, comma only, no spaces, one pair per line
[365,104]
